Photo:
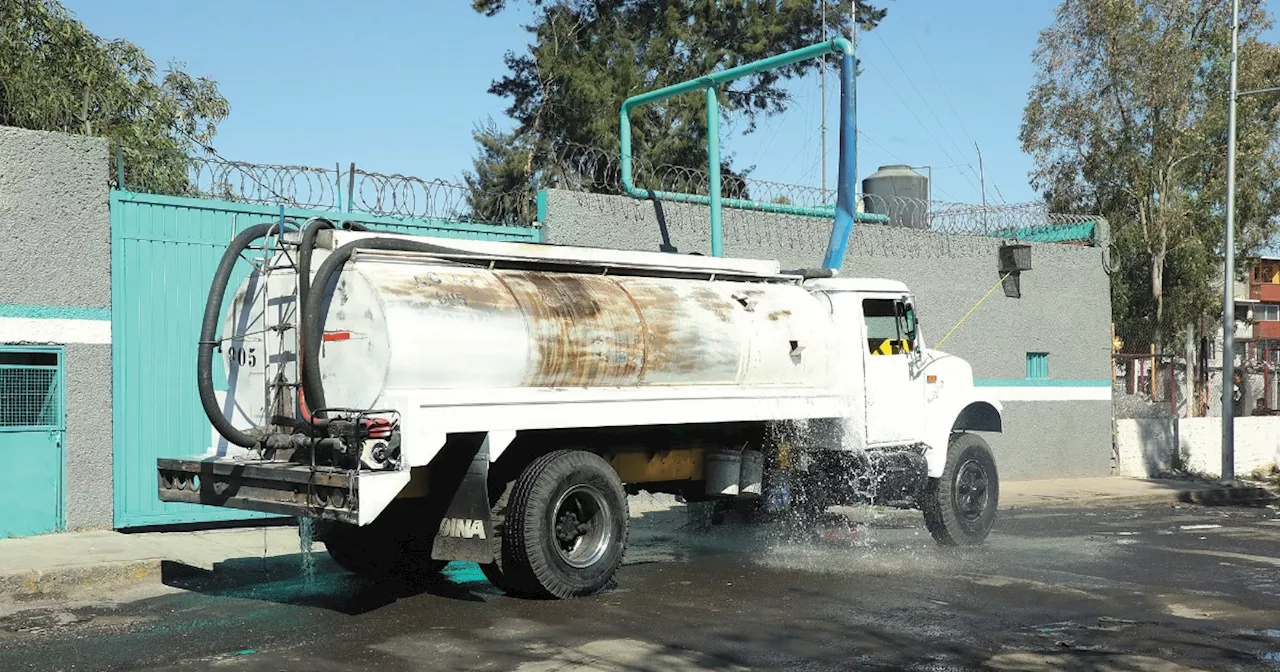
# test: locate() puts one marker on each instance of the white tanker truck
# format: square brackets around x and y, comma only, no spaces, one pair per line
[428,400]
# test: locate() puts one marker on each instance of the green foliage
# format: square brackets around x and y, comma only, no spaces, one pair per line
[588,56]
[55,75]
[1128,117]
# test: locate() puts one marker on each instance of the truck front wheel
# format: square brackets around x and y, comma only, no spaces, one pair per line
[960,507]
[565,527]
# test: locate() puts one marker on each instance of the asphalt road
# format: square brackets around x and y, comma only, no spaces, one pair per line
[1154,588]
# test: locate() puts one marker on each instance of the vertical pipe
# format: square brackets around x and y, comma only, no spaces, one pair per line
[624,137]
[846,179]
[1228,264]
[713,159]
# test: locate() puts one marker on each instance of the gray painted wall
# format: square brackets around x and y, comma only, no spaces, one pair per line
[1064,310]
[56,237]
[54,222]
[88,445]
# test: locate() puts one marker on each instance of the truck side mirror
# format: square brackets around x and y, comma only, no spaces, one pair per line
[909,313]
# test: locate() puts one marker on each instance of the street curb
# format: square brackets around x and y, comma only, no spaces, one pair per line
[1246,495]
[80,577]
[1217,496]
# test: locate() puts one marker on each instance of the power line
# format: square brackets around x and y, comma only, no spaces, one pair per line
[951,106]
[896,159]
[927,106]
[926,130]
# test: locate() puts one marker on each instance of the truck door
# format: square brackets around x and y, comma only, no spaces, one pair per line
[894,382]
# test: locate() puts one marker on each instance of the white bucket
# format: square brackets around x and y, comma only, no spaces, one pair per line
[723,469]
[751,478]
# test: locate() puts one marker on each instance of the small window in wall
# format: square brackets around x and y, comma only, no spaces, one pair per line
[1037,365]
[1266,312]
[29,389]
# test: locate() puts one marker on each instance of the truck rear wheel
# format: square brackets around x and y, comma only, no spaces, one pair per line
[564,529]
[960,507]
[395,545]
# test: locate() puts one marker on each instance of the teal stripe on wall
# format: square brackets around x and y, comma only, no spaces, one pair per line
[54,312]
[1042,382]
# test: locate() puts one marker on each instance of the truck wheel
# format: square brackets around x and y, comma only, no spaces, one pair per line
[387,547]
[493,570]
[565,527]
[960,507]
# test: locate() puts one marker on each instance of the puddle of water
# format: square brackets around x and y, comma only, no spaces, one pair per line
[1270,632]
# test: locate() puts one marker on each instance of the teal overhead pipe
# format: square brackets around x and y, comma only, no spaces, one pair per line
[838,45]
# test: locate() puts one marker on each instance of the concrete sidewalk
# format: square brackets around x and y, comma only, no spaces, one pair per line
[60,564]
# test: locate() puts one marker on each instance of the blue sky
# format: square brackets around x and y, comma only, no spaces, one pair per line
[398,85]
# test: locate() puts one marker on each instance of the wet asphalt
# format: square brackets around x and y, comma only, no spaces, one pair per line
[1142,588]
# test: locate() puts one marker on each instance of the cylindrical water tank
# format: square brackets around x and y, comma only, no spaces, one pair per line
[899,192]
[416,323]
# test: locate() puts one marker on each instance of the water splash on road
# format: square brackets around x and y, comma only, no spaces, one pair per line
[306,538]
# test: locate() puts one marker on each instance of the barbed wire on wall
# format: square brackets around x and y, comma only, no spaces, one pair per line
[587,170]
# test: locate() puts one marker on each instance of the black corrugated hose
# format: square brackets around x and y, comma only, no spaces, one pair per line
[313,309]
[209,331]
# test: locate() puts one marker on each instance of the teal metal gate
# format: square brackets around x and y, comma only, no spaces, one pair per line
[164,250]
[32,428]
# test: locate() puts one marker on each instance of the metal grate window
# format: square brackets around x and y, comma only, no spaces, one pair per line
[29,396]
[1037,365]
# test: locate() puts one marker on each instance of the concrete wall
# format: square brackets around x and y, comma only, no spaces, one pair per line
[54,220]
[1147,447]
[56,289]
[1061,429]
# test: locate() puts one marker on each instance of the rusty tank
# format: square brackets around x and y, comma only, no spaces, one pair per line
[397,322]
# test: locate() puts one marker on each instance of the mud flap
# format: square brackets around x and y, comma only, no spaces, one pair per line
[465,532]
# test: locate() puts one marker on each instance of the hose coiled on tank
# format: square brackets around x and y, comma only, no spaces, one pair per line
[209,330]
[313,308]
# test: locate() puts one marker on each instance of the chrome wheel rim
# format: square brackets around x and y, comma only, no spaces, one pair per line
[581,530]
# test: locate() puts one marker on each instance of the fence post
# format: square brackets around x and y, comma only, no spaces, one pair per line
[337,182]
[1154,371]
[1190,361]
[351,185]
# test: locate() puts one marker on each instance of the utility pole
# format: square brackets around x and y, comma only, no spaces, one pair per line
[1228,268]
[824,104]
[1229,255]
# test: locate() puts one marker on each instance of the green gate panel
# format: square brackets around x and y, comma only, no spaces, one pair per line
[164,251]
[32,426]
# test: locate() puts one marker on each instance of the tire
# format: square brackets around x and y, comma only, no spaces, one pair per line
[960,507]
[396,545]
[565,528]
[493,571]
